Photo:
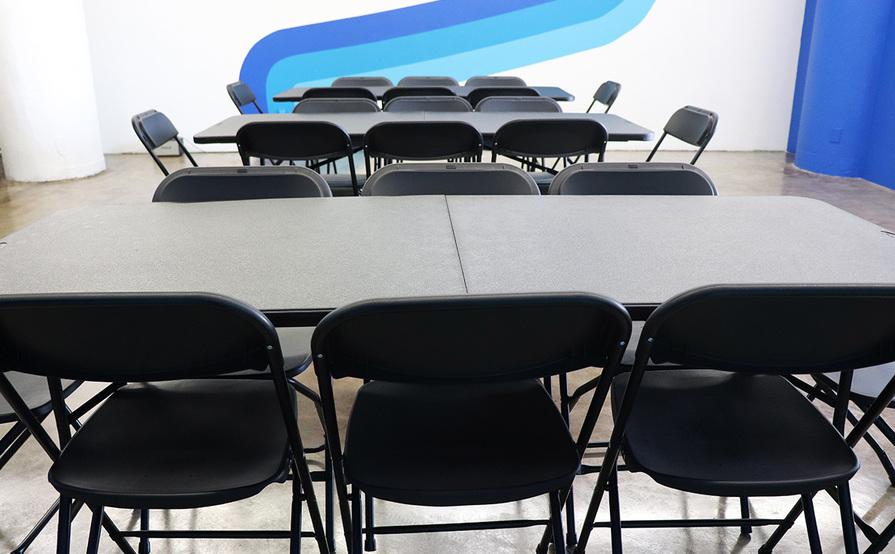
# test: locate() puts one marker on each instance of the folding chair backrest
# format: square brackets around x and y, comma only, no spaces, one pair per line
[397,92]
[478,94]
[470,339]
[428,104]
[133,337]
[450,179]
[518,104]
[215,184]
[428,81]
[633,179]
[550,138]
[495,81]
[423,140]
[336,105]
[362,82]
[695,126]
[774,329]
[338,92]
[606,95]
[292,140]
[154,129]
[241,95]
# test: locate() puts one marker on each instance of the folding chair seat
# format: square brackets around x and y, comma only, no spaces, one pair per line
[401,446]
[727,434]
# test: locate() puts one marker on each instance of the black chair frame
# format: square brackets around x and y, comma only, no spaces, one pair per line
[606,94]
[399,91]
[529,140]
[866,301]
[329,367]
[695,126]
[339,92]
[478,94]
[242,95]
[216,184]
[428,81]
[362,81]
[622,178]
[300,475]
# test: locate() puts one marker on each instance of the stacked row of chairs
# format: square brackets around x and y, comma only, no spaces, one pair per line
[530,142]
[209,184]
[472,425]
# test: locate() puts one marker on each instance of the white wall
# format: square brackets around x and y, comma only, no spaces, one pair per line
[735,57]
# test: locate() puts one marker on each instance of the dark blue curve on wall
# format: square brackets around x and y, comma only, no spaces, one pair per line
[456,37]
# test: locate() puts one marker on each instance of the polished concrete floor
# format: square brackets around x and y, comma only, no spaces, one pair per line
[25,493]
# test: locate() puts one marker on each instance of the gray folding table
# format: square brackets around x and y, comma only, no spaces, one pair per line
[295,94]
[298,259]
[357,124]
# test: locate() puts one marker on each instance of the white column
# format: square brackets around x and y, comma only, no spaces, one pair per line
[49,128]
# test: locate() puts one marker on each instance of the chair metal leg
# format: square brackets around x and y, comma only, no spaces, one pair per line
[846,513]
[571,535]
[36,530]
[369,536]
[295,521]
[811,524]
[96,523]
[357,514]
[144,547]
[744,513]
[883,540]
[556,521]
[63,533]
[329,497]
[615,518]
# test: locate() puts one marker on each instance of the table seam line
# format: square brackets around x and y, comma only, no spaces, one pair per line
[447,206]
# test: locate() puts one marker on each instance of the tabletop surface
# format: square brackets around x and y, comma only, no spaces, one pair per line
[295,94]
[357,124]
[306,254]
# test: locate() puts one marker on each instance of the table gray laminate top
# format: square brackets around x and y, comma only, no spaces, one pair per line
[357,124]
[644,250]
[295,94]
[273,254]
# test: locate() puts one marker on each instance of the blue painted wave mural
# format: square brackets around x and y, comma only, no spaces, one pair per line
[460,38]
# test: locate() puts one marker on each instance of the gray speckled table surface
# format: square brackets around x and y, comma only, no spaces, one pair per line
[273,254]
[644,250]
[317,254]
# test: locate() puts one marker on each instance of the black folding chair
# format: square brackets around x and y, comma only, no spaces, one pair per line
[397,92]
[428,104]
[692,125]
[606,94]
[478,94]
[154,129]
[449,179]
[362,82]
[314,142]
[741,429]
[336,105]
[532,141]
[218,184]
[393,141]
[651,178]
[495,81]
[170,439]
[428,81]
[518,104]
[338,92]
[241,94]
[452,413]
